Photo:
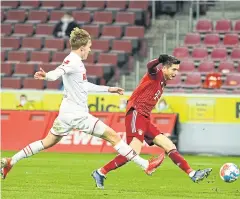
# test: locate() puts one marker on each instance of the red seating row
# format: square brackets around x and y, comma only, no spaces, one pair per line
[201,53]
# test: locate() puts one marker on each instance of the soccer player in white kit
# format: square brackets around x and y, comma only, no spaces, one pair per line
[73,113]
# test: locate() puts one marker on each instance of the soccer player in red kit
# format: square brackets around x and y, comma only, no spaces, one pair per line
[138,124]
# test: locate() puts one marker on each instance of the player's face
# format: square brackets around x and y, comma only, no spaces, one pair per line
[86,50]
[172,71]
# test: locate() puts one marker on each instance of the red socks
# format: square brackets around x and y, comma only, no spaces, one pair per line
[118,161]
[178,159]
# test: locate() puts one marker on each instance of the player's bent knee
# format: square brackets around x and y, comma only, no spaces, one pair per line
[164,142]
[111,136]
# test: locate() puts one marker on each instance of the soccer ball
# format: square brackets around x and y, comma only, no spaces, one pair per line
[229,172]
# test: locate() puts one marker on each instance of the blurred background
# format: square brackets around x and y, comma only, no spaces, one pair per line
[200,108]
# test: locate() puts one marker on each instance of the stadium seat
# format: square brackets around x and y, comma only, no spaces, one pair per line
[31,83]
[122,46]
[10,43]
[204,26]
[100,45]
[54,44]
[181,52]
[111,32]
[29,4]
[235,55]
[206,67]
[17,56]
[54,84]
[82,17]
[175,82]
[94,5]
[192,39]
[237,26]
[193,80]
[6,29]
[116,5]
[91,58]
[12,83]
[219,54]
[3,55]
[58,57]
[134,31]
[2,16]
[230,40]
[37,16]
[24,69]
[9,4]
[46,66]
[104,17]
[15,16]
[187,66]
[232,81]
[211,40]
[226,67]
[138,5]
[93,30]
[108,59]
[93,69]
[31,43]
[125,18]
[72,5]
[223,26]
[6,69]
[39,57]
[50,5]
[23,30]
[200,53]
[44,30]
[55,16]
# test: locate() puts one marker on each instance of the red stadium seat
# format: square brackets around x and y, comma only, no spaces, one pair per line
[3,56]
[47,67]
[94,5]
[13,83]
[235,55]
[93,69]
[226,67]
[82,17]
[211,40]
[193,80]
[54,44]
[6,29]
[40,57]
[108,58]
[32,43]
[10,43]
[125,18]
[100,45]
[112,32]
[37,16]
[55,16]
[15,16]
[44,30]
[223,26]
[219,54]
[93,30]
[199,53]
[187,66]
[237,26]
[206,67]
[122,46]
[104,17]
[17,56]
[6,69]
[231,40]
[31,83]
[53,84]
[51,5]
[181,52]
[134,31]
[204,26]
[91,58]
[9,4]
[175,82]
[58,57]
[192,39]
[71,5]
[2,16]
[116,5]
[23,30]
[232,81]
[24,69]
[29,4]
[138,5]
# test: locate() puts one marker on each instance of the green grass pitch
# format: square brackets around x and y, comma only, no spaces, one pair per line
[67,176]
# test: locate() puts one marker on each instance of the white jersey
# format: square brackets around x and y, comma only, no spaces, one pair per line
[76,85]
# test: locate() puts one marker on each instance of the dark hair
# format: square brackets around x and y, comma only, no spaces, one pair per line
[168,60]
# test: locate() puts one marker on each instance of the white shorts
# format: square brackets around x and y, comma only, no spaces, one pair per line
[82,121]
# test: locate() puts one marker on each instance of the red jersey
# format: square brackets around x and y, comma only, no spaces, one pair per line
[146,95]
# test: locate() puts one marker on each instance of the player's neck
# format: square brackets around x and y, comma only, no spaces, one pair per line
[77,52]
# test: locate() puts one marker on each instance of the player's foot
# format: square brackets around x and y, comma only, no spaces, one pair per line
[99,179]
[5,166]
[201,174]
[154,163]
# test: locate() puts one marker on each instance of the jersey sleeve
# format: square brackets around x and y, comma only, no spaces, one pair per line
[152,67]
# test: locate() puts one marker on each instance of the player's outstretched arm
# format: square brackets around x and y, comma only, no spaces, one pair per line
[49,76]
[97,88]
[153,63]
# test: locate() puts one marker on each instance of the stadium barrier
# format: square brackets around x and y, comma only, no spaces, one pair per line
[20,128]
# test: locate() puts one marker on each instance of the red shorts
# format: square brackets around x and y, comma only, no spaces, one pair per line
[140,127]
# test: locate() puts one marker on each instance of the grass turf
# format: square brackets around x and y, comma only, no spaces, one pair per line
[67,176]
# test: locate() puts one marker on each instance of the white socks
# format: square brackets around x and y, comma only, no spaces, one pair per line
[28,151]
[191,174]
[125,150]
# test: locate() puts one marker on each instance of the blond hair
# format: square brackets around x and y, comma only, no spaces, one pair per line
[78,38]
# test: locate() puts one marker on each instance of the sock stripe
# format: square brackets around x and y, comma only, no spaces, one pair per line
[133,157]
[25,152]
[30,149]
[129,152]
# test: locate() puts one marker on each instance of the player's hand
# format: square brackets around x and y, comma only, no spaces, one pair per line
[116,90]
[41,74]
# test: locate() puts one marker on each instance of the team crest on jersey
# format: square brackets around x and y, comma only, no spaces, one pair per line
[66,62]
[140,131]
